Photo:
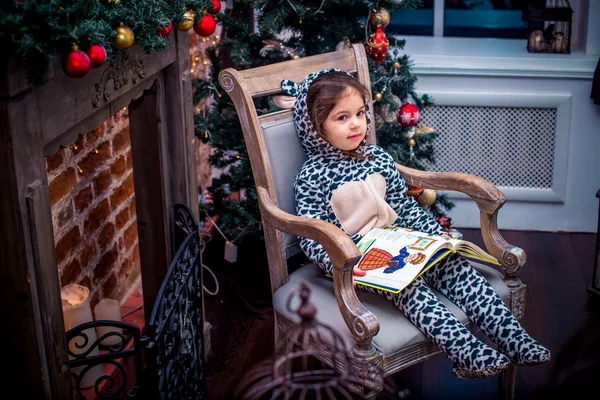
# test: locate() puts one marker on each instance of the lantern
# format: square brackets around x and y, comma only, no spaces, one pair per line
[548,26]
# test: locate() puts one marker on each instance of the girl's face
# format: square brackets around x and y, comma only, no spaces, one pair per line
[346,124]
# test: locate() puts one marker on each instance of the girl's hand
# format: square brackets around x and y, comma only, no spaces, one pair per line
[357,272]
[446,235]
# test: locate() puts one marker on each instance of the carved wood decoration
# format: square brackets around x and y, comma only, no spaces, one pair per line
[34,122]
[119,74]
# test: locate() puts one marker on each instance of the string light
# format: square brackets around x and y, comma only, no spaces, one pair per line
[196,58]
[74,147]
[96,150]
[80,170]
[192,70]
[124,108]
[205,62]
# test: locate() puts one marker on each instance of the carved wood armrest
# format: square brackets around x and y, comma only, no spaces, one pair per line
[343,254]
[489,200]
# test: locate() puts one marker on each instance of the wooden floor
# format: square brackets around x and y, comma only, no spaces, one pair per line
[560,314]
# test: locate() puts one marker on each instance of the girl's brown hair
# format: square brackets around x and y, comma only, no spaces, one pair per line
[324,93]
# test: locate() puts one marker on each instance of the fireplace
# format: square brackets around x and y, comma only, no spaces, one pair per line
[38,120]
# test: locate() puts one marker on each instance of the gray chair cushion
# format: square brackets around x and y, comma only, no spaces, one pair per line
[395,332]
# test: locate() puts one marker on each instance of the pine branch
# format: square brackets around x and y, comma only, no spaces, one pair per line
[38,29]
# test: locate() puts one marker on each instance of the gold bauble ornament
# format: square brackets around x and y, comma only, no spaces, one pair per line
[396,65]
[124,38]
[378,96]
[412,142]
[423,129]
[379,17]
[187,22]
[427,197]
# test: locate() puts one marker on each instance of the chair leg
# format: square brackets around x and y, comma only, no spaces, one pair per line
[276,332]
[506,383]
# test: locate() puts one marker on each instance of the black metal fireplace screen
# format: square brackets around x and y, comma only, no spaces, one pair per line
[173,341]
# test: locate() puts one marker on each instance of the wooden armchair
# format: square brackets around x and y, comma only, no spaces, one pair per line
[381,340]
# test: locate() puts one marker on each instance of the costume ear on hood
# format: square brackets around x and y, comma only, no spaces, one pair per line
[291,90]
[313,144]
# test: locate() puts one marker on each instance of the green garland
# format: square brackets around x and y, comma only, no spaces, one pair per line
[38,29]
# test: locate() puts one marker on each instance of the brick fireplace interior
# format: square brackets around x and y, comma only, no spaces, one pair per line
[93,209]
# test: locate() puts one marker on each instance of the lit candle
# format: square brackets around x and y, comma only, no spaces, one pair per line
[108,309]
[76,311]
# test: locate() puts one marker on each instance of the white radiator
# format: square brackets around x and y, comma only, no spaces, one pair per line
[508,146]
[519,142]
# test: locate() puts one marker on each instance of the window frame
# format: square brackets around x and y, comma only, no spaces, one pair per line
[584,38]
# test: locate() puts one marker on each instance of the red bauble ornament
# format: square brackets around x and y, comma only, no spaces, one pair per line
[97,55]
[408,115]
[206,26]
[77,63]
[414,191]
[378,46]
[215,8]
[165,30]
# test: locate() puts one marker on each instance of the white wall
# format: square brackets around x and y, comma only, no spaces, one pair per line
[496,71]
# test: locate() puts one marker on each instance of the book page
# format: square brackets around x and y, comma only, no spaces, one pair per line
[469,249]
[394,256]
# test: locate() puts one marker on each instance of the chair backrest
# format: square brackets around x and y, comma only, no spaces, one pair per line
[274,148]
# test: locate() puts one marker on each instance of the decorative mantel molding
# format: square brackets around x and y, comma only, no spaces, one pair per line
[119,74]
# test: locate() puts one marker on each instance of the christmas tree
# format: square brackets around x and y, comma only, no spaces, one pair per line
[291,29]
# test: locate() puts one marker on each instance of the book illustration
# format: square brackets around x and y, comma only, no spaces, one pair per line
[422,243]
[415,258]
[378,258]
[398,261]
[365,245]
[375,258]
[394,256]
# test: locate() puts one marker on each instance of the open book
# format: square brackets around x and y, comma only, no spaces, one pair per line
[393,256]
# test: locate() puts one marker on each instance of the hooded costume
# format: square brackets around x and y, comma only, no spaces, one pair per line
[357,195]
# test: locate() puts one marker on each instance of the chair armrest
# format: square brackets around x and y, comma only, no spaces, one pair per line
[343,254]
[488,197]
[489,200]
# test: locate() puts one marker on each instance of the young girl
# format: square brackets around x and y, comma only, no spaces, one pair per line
[356,187]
